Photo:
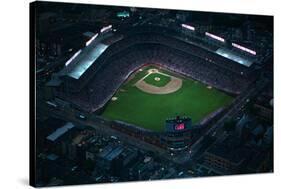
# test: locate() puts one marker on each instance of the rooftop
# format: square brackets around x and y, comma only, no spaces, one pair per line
[110,152]
[230,150]
[60,131]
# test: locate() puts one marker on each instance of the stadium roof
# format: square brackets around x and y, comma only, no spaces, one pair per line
[84,60]
[60,131]
[234,56]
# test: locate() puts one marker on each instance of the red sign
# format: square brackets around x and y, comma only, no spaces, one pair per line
[180,126]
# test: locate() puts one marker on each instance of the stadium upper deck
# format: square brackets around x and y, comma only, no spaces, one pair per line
[82,60]
[106,48]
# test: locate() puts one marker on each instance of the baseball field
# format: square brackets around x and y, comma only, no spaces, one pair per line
[151,95]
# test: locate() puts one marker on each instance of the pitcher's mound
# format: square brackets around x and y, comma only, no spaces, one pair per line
[157,78]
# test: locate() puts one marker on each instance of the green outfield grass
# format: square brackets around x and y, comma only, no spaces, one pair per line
[162,82]
[150,111]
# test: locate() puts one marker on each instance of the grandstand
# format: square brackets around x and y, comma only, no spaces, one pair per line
[91,79]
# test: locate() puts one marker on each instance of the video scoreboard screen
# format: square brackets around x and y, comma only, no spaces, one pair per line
[178,124]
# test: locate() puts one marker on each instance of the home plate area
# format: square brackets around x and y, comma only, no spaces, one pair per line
[156,82]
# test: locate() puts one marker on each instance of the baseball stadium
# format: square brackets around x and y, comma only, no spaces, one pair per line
[141,76]
[126,93]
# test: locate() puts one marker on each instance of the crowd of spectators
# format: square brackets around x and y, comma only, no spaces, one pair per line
[126,56]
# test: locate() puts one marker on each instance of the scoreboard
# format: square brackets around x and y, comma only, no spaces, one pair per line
[178,134]
[178,124]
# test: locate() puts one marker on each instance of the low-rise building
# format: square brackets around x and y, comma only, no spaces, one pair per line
[226,156]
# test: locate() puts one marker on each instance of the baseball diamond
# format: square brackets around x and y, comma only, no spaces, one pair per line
[147,105]
[156,82]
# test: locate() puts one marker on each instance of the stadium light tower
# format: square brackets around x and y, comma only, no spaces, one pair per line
[92,39]
[73,57]
[244,49]
[214,37]
[106,28]
[189,27]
